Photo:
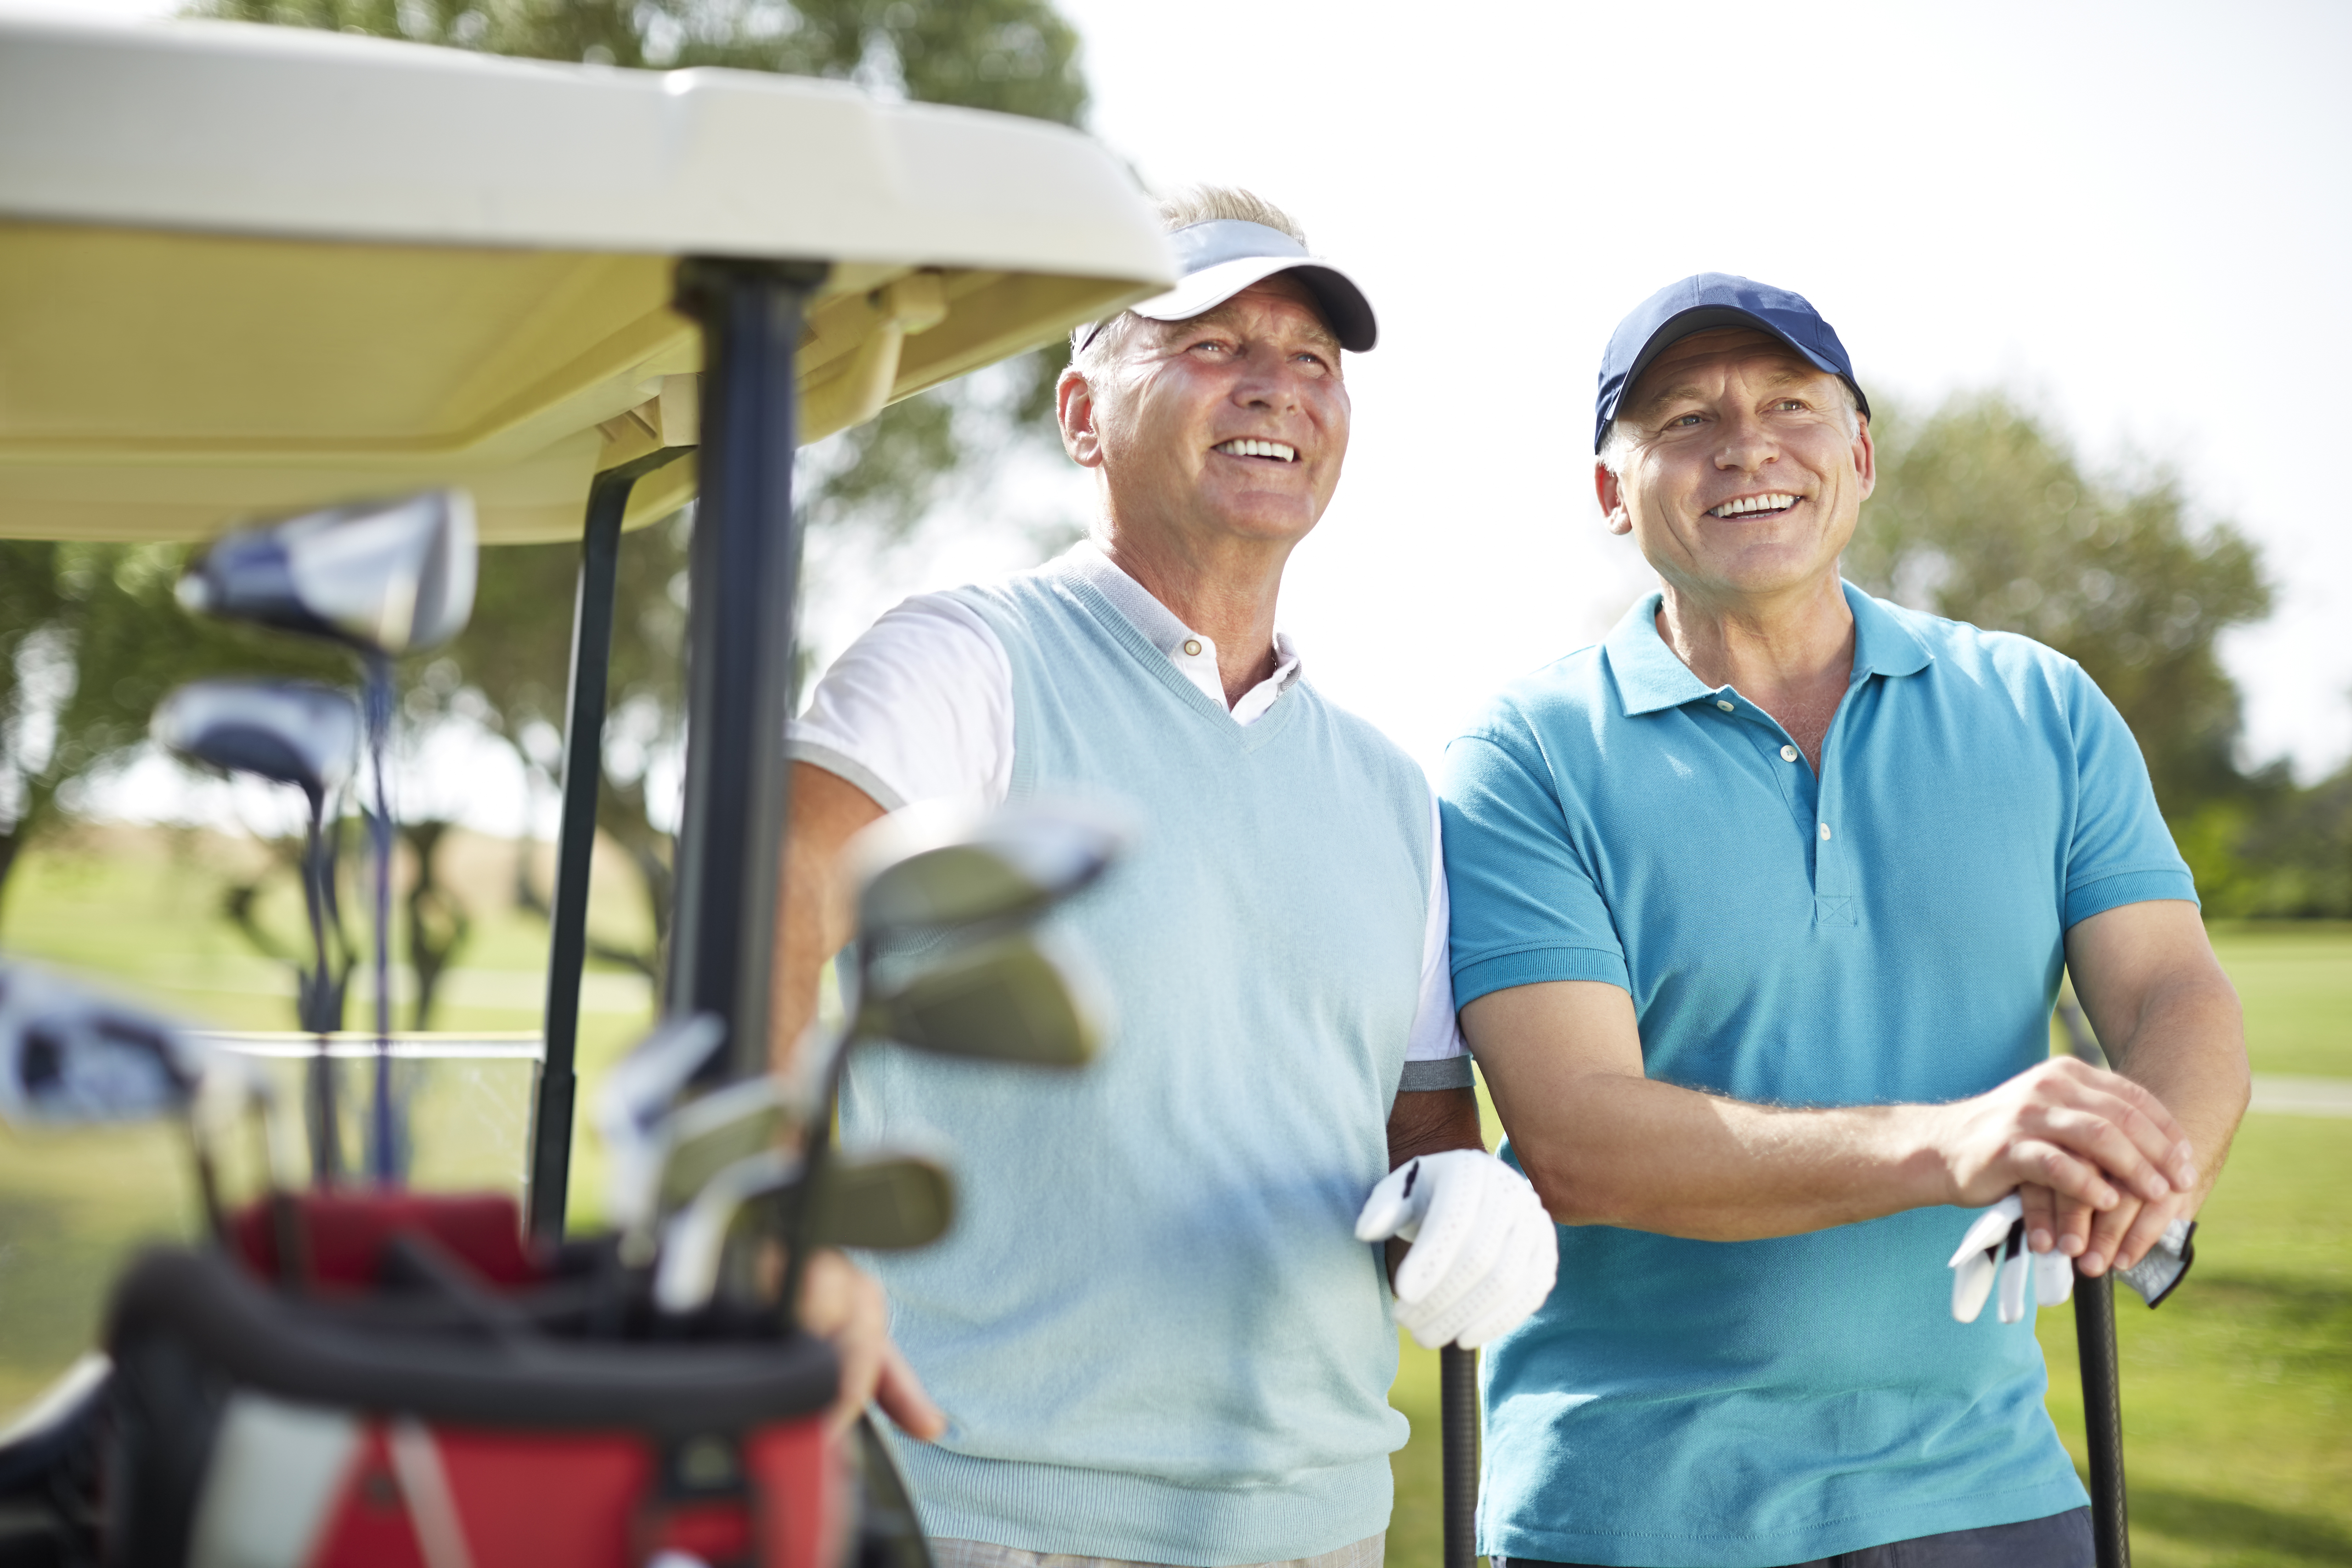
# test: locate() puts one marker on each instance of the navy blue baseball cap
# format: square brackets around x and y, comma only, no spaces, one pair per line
[1713,300]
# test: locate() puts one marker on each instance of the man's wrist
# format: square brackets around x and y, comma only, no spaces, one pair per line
[1917,1170]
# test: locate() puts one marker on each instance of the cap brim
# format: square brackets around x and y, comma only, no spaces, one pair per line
[1345,310]
[1706,318]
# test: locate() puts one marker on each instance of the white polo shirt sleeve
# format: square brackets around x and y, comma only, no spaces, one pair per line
[919,708]
[1434,1055]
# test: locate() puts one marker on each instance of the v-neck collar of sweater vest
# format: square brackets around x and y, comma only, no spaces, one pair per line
[1244,738]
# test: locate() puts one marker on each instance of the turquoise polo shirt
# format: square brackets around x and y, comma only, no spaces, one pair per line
[1890,931]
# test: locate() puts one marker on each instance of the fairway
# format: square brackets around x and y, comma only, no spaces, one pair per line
[2238,1394]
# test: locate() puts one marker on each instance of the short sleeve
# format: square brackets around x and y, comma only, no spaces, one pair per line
[1526,906]
[1434,1056]
[919,708]
[2121,852]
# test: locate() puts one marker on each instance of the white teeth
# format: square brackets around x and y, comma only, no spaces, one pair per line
[1245,447]
[1747,504]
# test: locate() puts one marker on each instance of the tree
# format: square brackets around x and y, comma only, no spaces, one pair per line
[1983,514]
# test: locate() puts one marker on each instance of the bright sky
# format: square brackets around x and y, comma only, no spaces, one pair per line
[2135,216]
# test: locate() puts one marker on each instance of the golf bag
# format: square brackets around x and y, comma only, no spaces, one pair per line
[382,1379]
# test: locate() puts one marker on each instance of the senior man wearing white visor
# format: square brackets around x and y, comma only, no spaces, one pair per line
[1159,1331]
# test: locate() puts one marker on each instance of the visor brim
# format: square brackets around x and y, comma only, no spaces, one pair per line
[1345,310]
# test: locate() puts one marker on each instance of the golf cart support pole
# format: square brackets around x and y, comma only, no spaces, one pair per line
[2094,1345]
[1457,1402]
[742,571]
[576,839]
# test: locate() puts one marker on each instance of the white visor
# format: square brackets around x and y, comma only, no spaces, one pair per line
[1224,256]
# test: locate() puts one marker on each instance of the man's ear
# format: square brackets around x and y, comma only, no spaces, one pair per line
[1611,492]
[1865,455]
[1073,409]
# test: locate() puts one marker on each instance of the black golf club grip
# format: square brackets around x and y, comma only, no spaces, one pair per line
[2102,1417]
[1458,1399]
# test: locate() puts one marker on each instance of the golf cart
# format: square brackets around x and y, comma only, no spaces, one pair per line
[249,272]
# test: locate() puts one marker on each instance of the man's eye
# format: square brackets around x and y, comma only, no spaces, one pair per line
[1792,404]
[1683,422]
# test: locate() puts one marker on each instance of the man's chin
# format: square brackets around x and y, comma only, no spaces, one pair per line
[1270,520]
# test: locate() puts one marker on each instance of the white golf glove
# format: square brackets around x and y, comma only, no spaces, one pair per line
[1485,1252]
[1995,1247]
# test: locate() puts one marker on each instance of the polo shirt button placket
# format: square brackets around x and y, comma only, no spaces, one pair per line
[1834,892]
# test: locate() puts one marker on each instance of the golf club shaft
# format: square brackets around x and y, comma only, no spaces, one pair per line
[317,873]
[1459,1424]
[2102,1417]
[379,722]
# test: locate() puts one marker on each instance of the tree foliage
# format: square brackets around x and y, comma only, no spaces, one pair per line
[1984,515]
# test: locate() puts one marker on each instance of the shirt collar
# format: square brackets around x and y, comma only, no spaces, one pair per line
[1085,562]
[1651,677]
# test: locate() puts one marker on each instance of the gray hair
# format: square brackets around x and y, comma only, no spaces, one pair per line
[1093,344]
[1617,446]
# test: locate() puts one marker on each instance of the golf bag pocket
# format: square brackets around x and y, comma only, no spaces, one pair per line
[255,1428]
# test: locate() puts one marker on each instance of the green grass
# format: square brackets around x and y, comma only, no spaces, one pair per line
[2238,1394]
[2296,980]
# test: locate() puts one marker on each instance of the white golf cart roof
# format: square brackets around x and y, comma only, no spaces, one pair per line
[248,270]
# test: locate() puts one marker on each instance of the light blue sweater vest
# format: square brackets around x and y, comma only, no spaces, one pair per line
[1152,1327]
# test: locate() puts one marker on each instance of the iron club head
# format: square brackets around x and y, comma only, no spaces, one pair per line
[1009,998]
[879,1202]
[387,577]
[926,871]
[634,1107]
[292,732]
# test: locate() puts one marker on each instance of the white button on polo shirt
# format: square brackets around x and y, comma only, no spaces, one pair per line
[1722,703]
[1788,753]
[1825,832]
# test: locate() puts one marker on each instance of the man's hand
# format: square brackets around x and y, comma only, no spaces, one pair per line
[1484,1251]
[841,1305]
[2073,1141]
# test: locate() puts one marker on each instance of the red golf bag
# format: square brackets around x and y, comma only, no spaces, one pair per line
[380,1379]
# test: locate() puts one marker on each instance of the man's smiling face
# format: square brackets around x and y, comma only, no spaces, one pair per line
[1742,467]
[1233,422]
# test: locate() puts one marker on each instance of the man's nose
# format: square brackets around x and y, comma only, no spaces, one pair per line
[1273,387]
[1746,446]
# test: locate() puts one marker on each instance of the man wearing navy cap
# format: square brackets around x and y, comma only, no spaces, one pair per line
[1759,909]
[1158,1332]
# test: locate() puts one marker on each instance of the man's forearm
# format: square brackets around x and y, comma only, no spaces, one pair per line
[1652,1156]
[1428,1122]
[2187,1048]
[1604,1144]
[813,920]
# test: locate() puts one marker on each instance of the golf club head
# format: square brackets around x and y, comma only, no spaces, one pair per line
[384,577]
[879,1202]
[929,870]
[71,1057]
[290,731]
[1006,999]
[884,1203]
[694,1240]
[635,1102]
[704,1136]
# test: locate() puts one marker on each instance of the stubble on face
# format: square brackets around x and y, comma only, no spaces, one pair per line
[1231,425]
[1747,472]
